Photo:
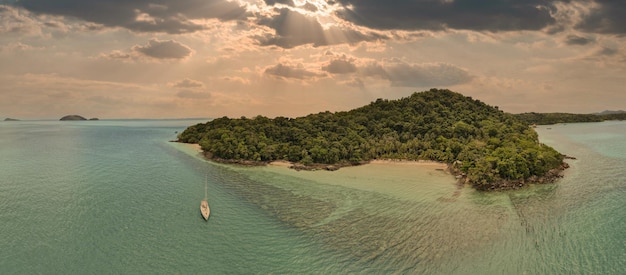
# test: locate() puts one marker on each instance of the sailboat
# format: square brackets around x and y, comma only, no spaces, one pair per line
[204,204]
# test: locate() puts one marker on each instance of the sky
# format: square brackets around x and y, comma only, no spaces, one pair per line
[214,58]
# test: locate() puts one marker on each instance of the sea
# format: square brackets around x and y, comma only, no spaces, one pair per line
[117,197]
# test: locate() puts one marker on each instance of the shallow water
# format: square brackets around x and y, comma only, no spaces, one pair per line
[116,197]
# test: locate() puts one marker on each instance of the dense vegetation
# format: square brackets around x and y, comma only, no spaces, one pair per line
[554,118]
[490,147]
[615,116]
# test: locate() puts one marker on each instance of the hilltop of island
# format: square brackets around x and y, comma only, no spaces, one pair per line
[75,118]
[483,146]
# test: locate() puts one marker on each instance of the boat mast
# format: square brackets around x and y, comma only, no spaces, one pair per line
[206,183]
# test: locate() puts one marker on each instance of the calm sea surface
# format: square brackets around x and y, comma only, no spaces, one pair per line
[117,197]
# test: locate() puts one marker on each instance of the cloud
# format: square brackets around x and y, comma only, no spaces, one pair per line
[578,40]
[187,83]
[293,29]
[340,66]
[286,71]
[237,79]
[18,47]
[486,15]
[310,7]
[190,89]
[166,49]
[397,72]
[172,17]
[18,21]
[607,16]
[120,55]
[597,16]
[606,51]
[356,83]
[274,2]
[403,74]
[13,20]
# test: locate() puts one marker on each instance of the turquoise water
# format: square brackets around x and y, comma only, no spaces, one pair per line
[117,197]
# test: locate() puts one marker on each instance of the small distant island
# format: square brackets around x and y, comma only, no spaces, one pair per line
[555,118]
[11,119]
[72,117]
[483,146]
[75,118]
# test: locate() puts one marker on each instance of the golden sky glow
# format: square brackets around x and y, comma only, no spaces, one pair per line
[213,58]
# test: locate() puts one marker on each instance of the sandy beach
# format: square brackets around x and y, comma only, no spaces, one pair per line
[281,163]
[194,146]
[420,163]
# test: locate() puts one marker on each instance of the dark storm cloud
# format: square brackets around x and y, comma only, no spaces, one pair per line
[294,29]
[177,16]
[141,15]
[609,17]
[487,15]
[167,49]
[578,40]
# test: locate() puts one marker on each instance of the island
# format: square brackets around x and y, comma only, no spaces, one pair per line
[11,119]
[481,145]
[555,118]
[72,117]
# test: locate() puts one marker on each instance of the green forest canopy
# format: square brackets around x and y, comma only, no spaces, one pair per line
[486,144]
[554,118]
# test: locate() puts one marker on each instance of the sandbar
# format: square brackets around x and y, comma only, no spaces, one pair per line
[406,179]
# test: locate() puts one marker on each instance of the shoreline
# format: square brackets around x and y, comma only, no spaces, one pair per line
[435,165]
[333,167]
[194,146]
[461,178]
